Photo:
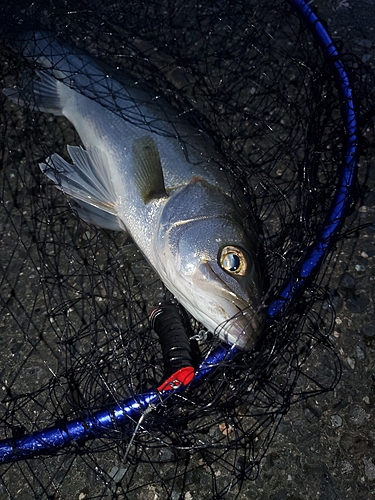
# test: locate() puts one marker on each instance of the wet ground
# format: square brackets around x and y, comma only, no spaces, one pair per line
[324,448]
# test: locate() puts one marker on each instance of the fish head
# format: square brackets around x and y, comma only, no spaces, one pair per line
[211,265]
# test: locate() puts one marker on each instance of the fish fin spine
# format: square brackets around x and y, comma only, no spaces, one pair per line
[87,180]
[148,172]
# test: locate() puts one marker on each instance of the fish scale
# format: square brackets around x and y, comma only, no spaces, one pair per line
[145,170]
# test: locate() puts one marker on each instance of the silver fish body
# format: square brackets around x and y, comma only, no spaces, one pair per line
[145,170]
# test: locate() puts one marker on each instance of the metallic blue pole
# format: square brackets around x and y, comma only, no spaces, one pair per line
[311,262]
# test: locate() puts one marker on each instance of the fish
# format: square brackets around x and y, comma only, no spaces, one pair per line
[144,169]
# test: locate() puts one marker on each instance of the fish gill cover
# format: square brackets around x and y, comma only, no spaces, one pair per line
[75,300]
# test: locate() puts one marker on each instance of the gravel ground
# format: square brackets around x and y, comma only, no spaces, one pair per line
[324,447]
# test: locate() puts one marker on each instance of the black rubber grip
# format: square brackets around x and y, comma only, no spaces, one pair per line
[168,323]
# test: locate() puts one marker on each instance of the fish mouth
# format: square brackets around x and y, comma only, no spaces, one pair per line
[239,320]
[242,329]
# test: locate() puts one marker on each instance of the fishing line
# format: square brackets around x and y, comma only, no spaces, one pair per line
[133,409]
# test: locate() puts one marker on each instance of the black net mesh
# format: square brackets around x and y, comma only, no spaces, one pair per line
[75,335]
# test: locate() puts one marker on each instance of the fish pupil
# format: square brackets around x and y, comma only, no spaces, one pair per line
[231,262]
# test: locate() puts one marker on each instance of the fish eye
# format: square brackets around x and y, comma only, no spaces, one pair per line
[233,260]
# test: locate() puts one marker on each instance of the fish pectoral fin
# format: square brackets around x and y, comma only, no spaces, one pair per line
[88,182]
[148,172]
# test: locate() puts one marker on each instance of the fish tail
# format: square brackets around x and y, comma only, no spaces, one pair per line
[60,73]
[44,94]
[59,69]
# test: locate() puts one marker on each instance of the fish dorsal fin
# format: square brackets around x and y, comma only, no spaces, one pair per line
[148,172]
[88,181]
